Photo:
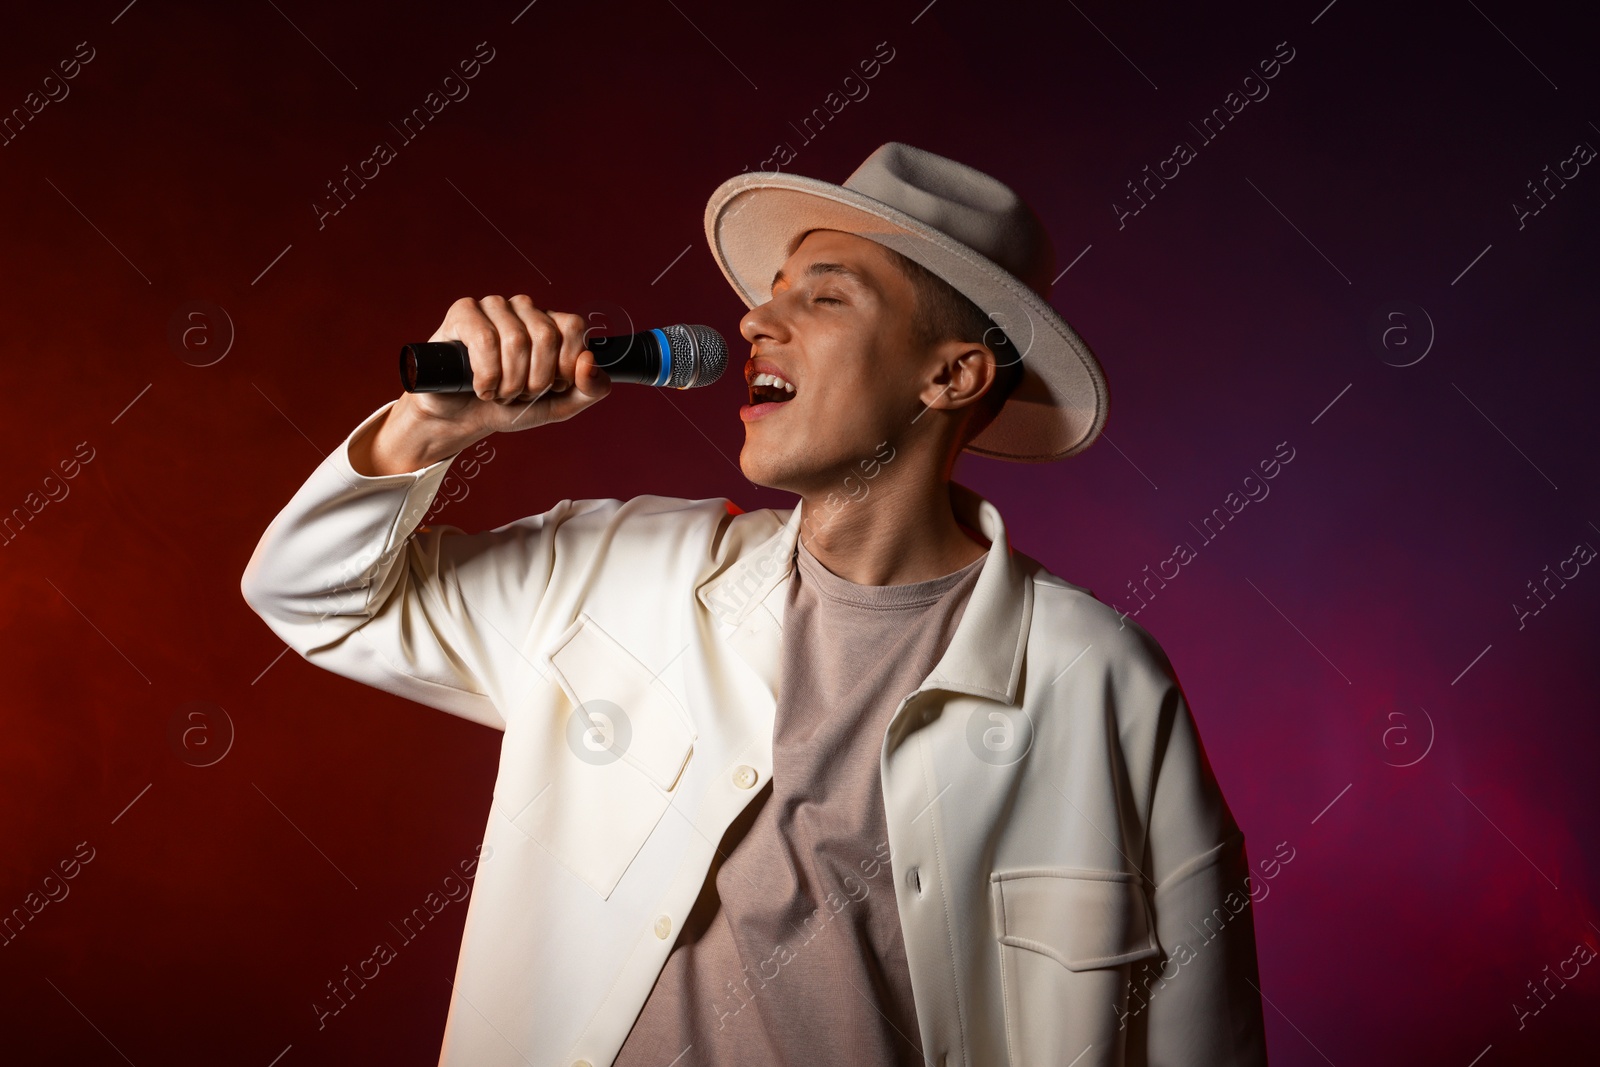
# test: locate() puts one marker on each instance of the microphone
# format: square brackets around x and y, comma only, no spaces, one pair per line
[680,357]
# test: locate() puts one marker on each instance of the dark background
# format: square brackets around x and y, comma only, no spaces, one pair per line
[1351,645]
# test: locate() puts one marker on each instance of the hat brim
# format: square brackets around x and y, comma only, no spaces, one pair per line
[1059,406]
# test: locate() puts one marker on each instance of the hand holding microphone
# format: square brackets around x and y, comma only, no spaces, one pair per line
[679,357]
[497,365]
[523,367]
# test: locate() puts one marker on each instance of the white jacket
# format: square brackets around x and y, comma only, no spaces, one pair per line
[1054,825]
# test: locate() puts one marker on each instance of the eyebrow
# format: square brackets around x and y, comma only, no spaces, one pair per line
[826,268]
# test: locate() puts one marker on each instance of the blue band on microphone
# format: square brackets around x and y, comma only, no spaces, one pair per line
[666,358]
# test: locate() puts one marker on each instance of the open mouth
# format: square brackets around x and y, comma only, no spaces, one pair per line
[770,389]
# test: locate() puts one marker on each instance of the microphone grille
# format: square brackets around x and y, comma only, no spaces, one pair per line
[699,355]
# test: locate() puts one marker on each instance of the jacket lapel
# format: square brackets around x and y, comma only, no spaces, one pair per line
[984,657]
[746,599]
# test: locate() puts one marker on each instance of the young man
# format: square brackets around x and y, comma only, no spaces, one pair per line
[853,782]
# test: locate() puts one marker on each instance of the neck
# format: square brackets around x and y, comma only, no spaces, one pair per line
[900,532]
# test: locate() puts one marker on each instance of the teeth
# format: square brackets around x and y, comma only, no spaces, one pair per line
[773,380]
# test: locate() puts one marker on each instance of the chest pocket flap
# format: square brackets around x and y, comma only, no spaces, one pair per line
[1082,919]
[612,763]
[598,673]
[1066,937]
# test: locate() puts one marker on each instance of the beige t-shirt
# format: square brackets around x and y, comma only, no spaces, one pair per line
[793,953]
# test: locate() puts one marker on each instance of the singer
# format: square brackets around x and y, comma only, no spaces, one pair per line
[853,782]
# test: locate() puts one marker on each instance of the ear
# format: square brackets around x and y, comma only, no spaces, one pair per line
[963,371]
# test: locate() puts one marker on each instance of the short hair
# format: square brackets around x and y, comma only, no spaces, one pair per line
[943,313]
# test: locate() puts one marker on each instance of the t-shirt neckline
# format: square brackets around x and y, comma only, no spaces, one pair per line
[881,597]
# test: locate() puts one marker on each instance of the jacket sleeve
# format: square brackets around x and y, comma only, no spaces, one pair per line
[346,578]
[1198,1003]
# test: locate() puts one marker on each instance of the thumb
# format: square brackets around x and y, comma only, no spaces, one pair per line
[591,385]
[592,382]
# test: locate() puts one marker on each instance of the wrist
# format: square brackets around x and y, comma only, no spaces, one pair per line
[426,437]
[406,440]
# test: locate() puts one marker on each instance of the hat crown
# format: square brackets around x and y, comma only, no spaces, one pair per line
[974,208]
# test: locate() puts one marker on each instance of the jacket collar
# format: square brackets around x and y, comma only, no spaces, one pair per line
[984,657]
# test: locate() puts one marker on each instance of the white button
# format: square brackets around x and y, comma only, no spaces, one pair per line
[663,926]
[744,776]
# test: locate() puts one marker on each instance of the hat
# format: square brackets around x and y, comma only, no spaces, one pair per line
[965,227]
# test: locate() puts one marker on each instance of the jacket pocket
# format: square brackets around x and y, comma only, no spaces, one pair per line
[625,742]
[1066,937]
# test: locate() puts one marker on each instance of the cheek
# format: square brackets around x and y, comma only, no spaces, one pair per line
[851,389]
[841,400]
[855,377]
[847,418]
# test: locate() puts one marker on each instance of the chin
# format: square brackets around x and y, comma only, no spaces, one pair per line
[759,469]
[773,468]
[816,459]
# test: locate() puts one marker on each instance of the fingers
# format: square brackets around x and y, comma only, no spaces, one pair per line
[519,353]
[516,353]
[544,370]
[466,323]
[574,336]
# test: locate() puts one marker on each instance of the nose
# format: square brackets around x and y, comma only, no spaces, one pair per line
[763,323]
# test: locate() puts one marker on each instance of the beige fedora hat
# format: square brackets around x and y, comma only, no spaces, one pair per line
[961,224]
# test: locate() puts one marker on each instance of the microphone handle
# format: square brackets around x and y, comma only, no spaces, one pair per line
[444,367]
